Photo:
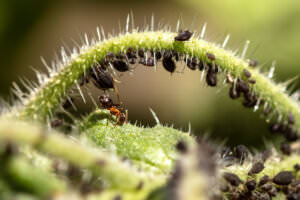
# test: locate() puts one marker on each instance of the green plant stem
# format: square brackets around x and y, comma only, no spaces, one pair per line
[46,99]
[24,176]
[117,174]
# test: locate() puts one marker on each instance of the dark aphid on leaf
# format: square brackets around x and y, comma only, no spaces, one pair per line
[106,101]
[56,123]
[291,118]
[293,196]
[211,79]
[241,152]
[157,54]
[252,81]
[285,148]
[256,168]
[191,63]
[141,53]
[168,62]
[247,73]
[291,134]
[110,56]
[176,55]
[102,79]
[211,56]
[283,178]
[250,185]
[242,86]
[120,65]
[183,36]
[201,65]
[181,147]
[263,180]
[130,53]
[250,100]
[297,167]
[253,63]
[231,178]
[121,56]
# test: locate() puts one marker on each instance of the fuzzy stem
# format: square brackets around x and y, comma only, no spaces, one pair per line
[48,96]
[21,174]
[100,163]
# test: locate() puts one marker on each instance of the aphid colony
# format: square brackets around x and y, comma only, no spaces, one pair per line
[266,187]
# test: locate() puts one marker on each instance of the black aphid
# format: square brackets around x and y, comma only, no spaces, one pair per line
[201,65]
[191,63]
[283,178]
[141,53]
[250,100]
[291,118]
[110,56]
[106,101]
[234,93]
[130,53]
[247,73]
[102,78]
[56,123]
[231,178]
[285,148]
[297,167]
[242,86]
[293,196]
[256,168]
[263,180]
[120,65]
[250,185]
[181,147]
[211,79]
[252,81]
[121,56]
[157,55]
[168,62]
[241,152]
[253,63]
[291,134]
[210,56]
[183,36]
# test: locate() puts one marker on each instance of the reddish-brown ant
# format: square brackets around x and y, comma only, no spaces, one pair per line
[107,103]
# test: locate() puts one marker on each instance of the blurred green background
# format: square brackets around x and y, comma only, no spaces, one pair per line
[32,28]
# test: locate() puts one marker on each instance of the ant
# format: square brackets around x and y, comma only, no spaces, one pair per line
[114,109]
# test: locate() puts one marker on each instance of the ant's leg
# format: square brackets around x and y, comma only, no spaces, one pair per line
[126,116]
[117,92]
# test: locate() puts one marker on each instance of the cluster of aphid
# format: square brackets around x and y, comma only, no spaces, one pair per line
[265,188]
